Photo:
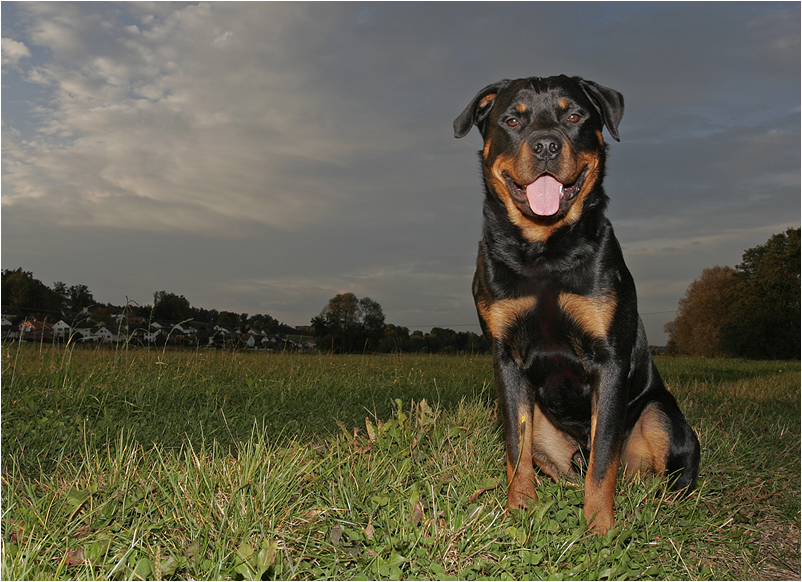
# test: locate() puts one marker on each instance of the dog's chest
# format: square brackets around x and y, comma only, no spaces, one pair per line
[554,345]
[546,321]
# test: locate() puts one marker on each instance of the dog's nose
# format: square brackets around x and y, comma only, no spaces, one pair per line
[546,147]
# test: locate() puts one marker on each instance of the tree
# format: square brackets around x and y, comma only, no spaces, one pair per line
[372,320]
[102,315]
[349,324]
[467,341]
[228,319]
[21,290]
[204,315]
[60,289]
[264,322]
[764,316]
[171,307]
[441,339]
[701,313]
[395,339]
[81,296]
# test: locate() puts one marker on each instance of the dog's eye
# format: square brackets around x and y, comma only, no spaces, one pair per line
[512,122]
[574,118]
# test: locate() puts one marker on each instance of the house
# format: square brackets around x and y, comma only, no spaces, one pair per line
[124,317]
[61,329]
[150,335]
[226,331]
[32,330]
[259,338]
[185,329]
[82,331]
[9,331]
[136,319]
[8,311]
[105,335]
[144,334]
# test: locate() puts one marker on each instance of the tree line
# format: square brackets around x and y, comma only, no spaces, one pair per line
[750,311]
[347,324]
[34,299]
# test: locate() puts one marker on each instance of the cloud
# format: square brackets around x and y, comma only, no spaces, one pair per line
[209,121]
[211,115]
[190,127]
[13,51]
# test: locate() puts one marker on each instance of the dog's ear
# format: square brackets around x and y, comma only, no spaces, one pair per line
[477,109]
[608,102]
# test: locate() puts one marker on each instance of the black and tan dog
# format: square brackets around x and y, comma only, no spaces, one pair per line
[572,365]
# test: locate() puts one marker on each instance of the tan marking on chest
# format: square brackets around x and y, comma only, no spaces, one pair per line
[500,315]
[592,313]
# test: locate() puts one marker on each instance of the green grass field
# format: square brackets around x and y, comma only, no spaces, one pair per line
[209,465]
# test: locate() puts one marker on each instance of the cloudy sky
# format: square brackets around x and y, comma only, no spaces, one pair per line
[263,157]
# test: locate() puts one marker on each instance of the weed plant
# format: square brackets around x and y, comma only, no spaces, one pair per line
[210,465]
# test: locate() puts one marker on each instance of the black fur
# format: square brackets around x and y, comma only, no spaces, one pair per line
[556,299]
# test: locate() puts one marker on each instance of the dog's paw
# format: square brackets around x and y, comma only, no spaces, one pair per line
[521,501]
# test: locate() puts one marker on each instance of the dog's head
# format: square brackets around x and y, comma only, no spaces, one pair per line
[543,146]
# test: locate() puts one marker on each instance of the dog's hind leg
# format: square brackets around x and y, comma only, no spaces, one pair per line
[662,442]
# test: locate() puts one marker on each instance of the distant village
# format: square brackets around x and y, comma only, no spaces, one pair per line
[128,328]
[70,315]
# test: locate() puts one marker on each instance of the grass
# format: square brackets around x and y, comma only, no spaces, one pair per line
[210,465]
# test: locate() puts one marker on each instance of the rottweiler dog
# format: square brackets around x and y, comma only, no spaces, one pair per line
[576,382]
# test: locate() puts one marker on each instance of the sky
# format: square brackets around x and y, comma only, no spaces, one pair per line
[264,157]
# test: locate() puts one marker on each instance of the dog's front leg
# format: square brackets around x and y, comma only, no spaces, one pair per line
[606,434]
[517,408]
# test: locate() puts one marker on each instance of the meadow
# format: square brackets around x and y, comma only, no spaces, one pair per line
[154,464]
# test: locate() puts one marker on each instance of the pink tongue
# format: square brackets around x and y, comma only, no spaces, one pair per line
[544,195]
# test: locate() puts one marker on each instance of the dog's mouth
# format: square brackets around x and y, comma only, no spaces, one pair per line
[546,195]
